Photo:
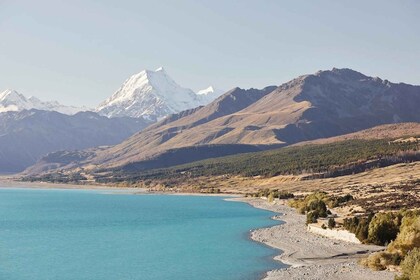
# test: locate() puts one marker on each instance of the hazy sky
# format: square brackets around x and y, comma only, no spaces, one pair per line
[79,52]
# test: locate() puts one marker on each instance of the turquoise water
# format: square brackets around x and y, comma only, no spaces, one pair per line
[78,234]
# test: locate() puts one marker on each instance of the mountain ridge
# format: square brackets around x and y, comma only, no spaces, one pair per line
[27,135]
[321,105]
[152,95]
[11,100]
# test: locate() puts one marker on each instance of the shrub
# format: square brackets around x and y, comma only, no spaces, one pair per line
[285,195]
[297,203]
[318,206]
[359,226]
[312,217]
[264,192]
[384,228]
[362,230]
[406,245]
[381,260]
[273,193]
[331,223]
[270,197]
[409,236]
[339,200]
[410,266]
[316,196]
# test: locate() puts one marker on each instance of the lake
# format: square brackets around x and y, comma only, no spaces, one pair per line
[92,234]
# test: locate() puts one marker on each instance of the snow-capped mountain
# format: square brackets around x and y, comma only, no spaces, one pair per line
[210,93]
[11,100]
[152,95]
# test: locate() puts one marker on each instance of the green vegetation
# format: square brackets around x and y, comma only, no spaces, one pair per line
[384,227]
[381,260]
[379,229]
[411,266]
[313,205]
[213,190]
[271,194]
[331,223]
[304,202]
[59,178]
[326,160]
[339,200]
[319,201]
[403,249]
[318,161]
[359,226]
[312,217]
[284,195]
[409,235]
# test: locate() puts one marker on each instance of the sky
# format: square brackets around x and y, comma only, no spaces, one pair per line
[80,52]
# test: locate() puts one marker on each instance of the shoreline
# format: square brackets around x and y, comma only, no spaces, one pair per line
[310,256]
[10,183]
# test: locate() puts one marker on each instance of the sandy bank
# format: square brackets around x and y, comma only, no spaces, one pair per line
[311,256]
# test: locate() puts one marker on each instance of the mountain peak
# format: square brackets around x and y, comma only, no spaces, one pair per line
[348,72]
[160,69]
[11,94]
[150,94]
[11,100]
[147,72]
[208,90]
[345,73]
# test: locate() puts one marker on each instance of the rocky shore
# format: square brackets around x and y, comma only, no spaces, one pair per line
[311,256]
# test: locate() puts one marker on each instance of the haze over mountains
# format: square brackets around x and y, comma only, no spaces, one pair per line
[324,104]
[11,100]
[27,135]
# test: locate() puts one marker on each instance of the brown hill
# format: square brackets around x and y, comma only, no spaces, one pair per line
[325,104]
[385,131]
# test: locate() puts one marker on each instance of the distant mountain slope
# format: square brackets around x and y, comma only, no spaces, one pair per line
[386,131]
[232,101]
[179,132]
[153,95]
[196,153]
[301,162]
[27,135]
[316,161]
[11,100]
[321,105]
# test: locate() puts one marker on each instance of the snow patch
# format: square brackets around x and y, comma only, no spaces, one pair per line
[11,100]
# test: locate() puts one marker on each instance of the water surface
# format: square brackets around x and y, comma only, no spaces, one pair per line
[79,234]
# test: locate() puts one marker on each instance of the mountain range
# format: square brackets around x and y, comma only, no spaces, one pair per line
[151,95]
[12,101]
[27,135]
[31,128]
[324,104]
